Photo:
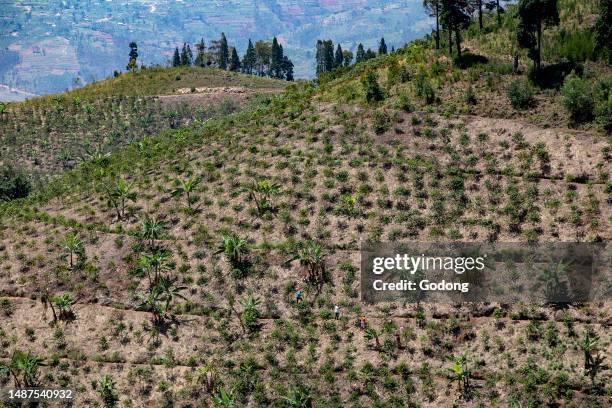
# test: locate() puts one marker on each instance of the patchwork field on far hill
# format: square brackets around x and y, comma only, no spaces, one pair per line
[51,134]
[165,273]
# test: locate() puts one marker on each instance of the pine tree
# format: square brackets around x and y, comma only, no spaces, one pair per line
[320,58]
[131,66]
[433,6]
[189,55]
[534,16]
[328,55]
[276,64]
[249,59]
[347,57]
[603,30]
[288,68]
[200,60]
[185,60]
[360,57]
[234,61]
[455,17]
[369,54]
[176,60]
[382,47]
[223,52]
[339,57]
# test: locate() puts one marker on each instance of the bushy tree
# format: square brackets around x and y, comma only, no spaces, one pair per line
[371,88]
[520,94]
[534,16]
[14,183]
[131,66]
[200,59]
[603,30]
[577,98]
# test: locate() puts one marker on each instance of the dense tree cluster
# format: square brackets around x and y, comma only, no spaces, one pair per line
[264,58]
[327,59]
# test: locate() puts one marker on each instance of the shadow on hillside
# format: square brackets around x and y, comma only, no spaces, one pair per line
[553,76]
[468,60]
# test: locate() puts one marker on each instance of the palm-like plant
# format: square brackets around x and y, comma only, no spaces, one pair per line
[64,303]
[593,361]
[23,367]
[118,195]
[73,245]
[106,389]
[186,187]
[234,248]
[373,334]
[224,399]
[261,191]
[153,302]
[170,291]
[250,314]
[461,373]
[299,397]
[152,229]
[312,259]
[155,264]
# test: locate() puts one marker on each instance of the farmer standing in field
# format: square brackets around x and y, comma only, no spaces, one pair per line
[337,311]
[362,322]
[298,296]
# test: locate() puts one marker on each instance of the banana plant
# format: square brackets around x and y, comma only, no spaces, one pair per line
[261,191]
[186,187]
[23,367]
[74,246]
[64,304]
[461,374]
[118,195]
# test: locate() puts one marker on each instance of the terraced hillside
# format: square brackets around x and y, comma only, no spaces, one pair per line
[51,134]
[165,275]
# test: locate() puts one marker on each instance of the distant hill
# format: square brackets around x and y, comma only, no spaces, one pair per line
[49,47]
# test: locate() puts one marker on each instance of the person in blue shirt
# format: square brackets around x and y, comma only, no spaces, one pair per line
[298,296]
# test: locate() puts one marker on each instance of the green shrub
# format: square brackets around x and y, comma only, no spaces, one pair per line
[371,89]
[423,88]
[577,98]
[14,183]
[603,103]
[381,122]
[520,94]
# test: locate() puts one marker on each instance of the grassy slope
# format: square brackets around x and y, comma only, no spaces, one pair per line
[446,171]
[53,133]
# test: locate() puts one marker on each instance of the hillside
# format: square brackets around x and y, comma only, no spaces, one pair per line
[50,134]
[217,209]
